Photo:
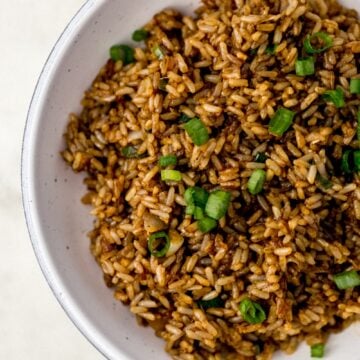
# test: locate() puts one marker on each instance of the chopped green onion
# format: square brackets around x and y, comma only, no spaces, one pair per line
[162,83]
[347,279]
[217,204]
[252,312]
[190,209]
[167,160]
[335,96]
[159,52]
[170,175]
[197,196]
[346,162]
[122,52]
[129,152]
[206,224]
[317,350]
[260,157]
[270,50]
[256,181]
[140,35]
[358,126]
[304,67]
[159,243]
[183,118]
[356,157]
[197,131]
[213,303]
[355,86]
[281,121]
[324,182]
[198,213]
[323,40]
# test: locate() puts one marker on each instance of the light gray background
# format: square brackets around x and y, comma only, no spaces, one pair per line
[33,326]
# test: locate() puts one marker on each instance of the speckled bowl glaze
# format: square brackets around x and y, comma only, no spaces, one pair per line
[58,222]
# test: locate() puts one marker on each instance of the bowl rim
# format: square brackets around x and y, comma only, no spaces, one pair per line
[64,298]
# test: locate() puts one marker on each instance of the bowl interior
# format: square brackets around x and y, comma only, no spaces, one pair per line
[57,220]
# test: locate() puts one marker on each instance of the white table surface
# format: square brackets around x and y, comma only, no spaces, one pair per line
[32,323]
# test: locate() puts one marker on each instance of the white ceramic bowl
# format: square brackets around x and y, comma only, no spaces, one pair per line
[56,219]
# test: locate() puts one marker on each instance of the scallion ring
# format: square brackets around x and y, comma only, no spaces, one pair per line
[252,312]
[356,159]
[198,213]
[159,52]
[140,35]
[256,181]
[217,204]
[335,97]
[213,303]
[271,49]
[159,243]
[162,83]
[167,160]
[346,162]
[129,152]
[197,131]
[171,175]
[317,350]
[197,196]
[347,279]
[281,121]
[260,157]
[122,52]
[355,86]
[206,224]
[323,42]
[305,67]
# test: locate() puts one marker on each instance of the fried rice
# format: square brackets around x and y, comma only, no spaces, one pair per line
[233,66]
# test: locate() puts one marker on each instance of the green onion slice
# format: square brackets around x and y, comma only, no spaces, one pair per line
[129,152]
[281,121]
[217,204]
[122,52]
[140,35]
[197,131]
[355,86]
[270,50]
[197,196]
[198,213]
[213,303]
[162,83]
[317,350]
[346,165]
[159,52]
[206,224]
[256,181]
[358,126]
[324,182]
[335,97]
[170,175]
[159,243]
[252,312]
[260,157]
[167,160]
[190,209]
[347,279]
[305,67]
[356,158]
[322,41]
